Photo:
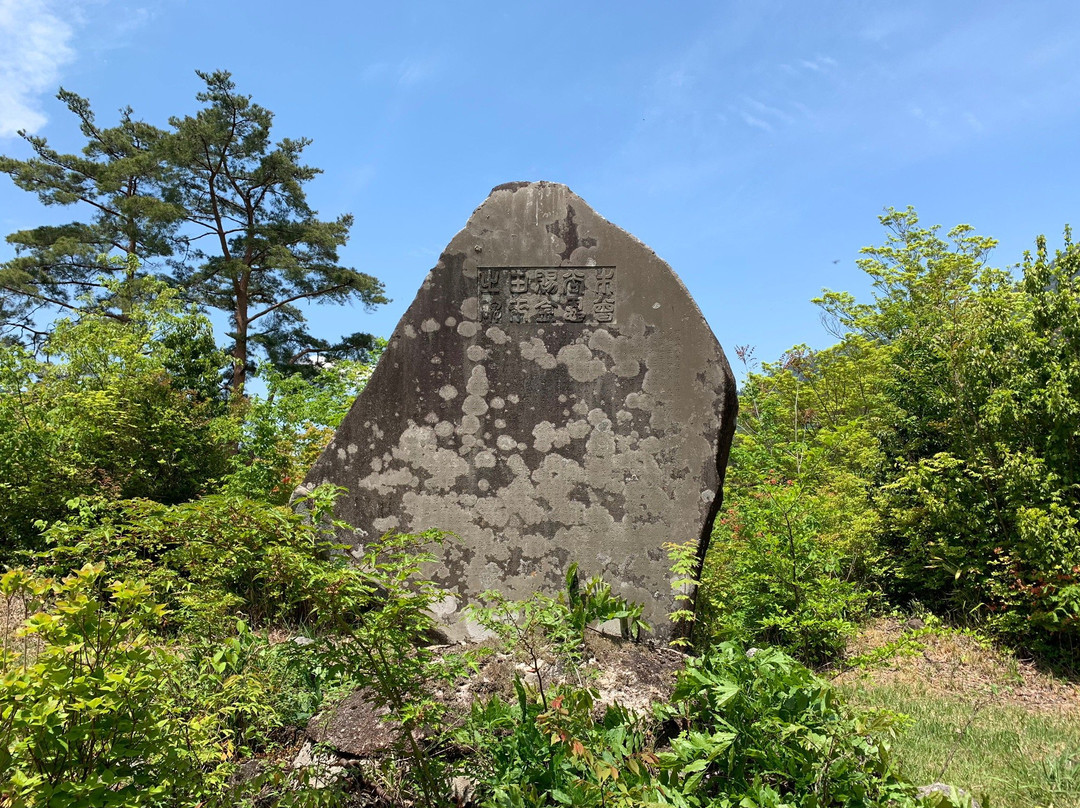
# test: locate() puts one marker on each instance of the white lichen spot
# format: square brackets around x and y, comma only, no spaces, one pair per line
[484,460]
[581,408]
[410,332]
[470,425]
[478,382]
[436,360]
[578,429]
[385,524]
[483,485]
[639,401]
[450,322]
[596,415]
[517,466]
[497,335]
[500,423]
[448,391]
[476,353]
[506,443]
[431,418]
[582,365]
[352,449]
[468,329]
[543,436]
[497,403]
[600,443]
[469,308]
[444,429]
[707,496]
[474,405]
[562,399]
[623,416]
[429,325]
[536,351]
[513,398]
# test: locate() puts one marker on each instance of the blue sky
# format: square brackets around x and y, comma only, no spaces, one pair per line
[751,144]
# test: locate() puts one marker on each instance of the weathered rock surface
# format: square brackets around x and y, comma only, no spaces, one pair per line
[552,395]
[355,726]
[949,792]
[633,675]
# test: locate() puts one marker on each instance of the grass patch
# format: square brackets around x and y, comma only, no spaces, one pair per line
[1004,754]
[978,717]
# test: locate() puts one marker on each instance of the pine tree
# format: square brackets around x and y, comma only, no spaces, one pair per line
[211,204]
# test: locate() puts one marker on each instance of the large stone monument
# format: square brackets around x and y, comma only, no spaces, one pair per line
[552,395]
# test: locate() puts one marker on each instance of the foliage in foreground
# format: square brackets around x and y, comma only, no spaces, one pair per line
[750,729]
[216,558]
[111,699]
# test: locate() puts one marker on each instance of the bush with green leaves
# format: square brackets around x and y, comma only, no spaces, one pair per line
[282,432]
[744,728]
[111,406]
[216,558]
[930,454]
[95,710]
[88,714]
[979,480]
[793,553]
[378,639]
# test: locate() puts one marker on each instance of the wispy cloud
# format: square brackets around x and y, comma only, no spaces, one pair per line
[407,72]
[758,123]
[818,63]
[36,46]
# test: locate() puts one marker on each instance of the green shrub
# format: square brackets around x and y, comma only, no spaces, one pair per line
[122,408]
[770,579]
[215,558]
[745,729]
[87,709]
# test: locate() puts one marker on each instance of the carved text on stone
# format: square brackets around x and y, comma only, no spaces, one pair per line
[538,295]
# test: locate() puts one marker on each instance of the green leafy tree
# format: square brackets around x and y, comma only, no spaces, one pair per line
[795,550]
[117,408]
[283,432]
[978,485]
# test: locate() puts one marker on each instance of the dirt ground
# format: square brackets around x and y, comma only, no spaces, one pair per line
[957,664]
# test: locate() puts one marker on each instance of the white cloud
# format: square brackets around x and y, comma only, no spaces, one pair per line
[750,120]
[407,72]
[35,48]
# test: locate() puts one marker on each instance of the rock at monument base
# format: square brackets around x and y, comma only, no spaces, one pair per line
[355,727]
[949,794]
[552,395]
[636,676]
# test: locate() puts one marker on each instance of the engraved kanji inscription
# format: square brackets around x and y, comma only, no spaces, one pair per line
[546,295]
